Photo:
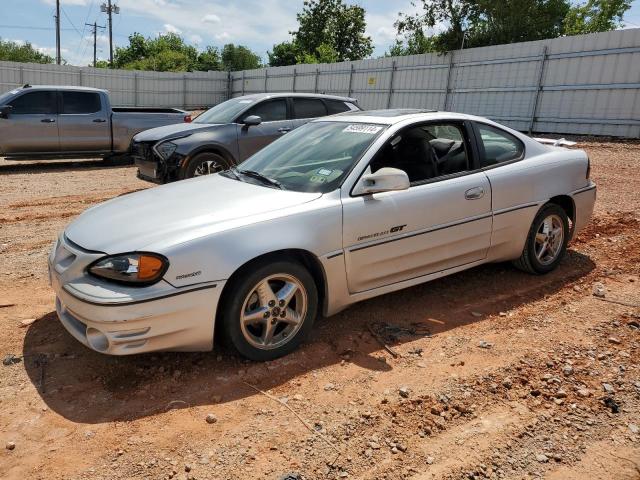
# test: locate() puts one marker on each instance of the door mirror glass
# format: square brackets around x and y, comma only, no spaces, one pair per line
[384,180]
[252,120]
[5,110]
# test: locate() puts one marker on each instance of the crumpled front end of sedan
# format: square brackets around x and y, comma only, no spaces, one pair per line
[119,319]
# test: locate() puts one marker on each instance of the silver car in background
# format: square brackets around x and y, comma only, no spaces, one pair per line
[338,211]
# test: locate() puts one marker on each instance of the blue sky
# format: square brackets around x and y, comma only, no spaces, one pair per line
[255,23]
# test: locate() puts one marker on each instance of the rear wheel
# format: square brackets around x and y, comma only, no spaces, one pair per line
[205,164]
[270,310]
[546,242]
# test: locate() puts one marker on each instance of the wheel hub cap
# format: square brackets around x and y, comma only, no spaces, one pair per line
[273,311]
[549,239]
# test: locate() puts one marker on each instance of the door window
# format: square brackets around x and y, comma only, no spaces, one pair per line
[270,111]
[80,102]
[34,103]
[499,146]
[425,152]
[308,108]
[335,106]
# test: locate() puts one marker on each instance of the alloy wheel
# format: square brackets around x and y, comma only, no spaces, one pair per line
[273,311]
[549,239]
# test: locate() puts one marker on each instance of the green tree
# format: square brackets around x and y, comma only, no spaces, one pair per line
[22,52]
[209,59]
[285,53]
[328,30]
[595,16]
[238,57]
[490,22]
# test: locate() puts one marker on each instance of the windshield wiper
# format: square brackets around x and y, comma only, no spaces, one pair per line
[258,176]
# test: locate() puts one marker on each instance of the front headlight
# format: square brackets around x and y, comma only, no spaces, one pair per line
[132,268]
[166,149]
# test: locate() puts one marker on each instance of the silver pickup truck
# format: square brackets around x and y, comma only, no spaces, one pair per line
[68,122]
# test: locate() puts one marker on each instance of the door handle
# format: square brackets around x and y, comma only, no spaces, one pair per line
[284,129]
[99,120]
[48,120]
[474,193]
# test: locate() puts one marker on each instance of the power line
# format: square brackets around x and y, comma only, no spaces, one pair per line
[95,38]
[27,27]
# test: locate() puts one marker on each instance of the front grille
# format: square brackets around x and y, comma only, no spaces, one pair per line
[142,150]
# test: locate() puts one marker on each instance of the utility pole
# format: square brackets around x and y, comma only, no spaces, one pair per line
[95,39]
[109,10]
[58,58]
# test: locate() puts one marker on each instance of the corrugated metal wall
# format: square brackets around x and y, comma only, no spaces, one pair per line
[127,88]
[586,84]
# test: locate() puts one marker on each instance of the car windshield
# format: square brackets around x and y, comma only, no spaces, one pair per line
[315,157]
[224,112]
[5,97]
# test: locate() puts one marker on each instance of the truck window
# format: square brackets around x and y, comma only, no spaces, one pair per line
[80,102]
[34,103]
[308,108]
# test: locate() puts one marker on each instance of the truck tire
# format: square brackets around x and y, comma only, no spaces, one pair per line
[204,163]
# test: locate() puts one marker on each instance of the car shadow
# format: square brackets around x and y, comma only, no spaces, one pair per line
[88,387]
[14,167]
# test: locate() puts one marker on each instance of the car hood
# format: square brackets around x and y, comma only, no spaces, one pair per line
[176,130]
[176,213]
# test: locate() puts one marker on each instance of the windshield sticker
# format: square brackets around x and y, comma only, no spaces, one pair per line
[317,179]
[358,128]
[325,172]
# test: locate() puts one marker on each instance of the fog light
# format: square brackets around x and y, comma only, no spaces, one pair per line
[97,340]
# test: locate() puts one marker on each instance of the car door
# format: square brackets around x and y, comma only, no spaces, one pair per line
[83,122]
[305,109]
[442,221]
[32,124]
[275,123]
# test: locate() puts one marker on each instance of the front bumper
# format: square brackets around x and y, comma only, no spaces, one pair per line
[183,322]
[118,320]
[151,167]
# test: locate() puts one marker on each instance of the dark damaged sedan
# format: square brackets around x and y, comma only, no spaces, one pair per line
[227,134]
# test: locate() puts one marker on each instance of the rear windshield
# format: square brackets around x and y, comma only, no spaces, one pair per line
[225,112]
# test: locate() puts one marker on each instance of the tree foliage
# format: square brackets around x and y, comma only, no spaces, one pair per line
[479,23]
[170,53]
[22,52]
[237,57]
[595,16]
[328,31]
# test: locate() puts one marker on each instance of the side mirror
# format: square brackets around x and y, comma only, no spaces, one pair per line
[251,121]
[384,180]
[5,110]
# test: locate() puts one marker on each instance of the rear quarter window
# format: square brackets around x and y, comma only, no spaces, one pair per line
[498,146]
[336,106]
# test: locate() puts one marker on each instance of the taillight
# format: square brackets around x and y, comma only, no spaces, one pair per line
[187,119]
[588,168]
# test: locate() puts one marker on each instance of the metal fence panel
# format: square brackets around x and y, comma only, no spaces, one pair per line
[586,84]
[126,87]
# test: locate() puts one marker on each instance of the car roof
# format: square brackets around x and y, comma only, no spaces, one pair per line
[393,116]
[260,96]
[59,87]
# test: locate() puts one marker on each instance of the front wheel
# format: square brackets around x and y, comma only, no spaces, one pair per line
[271,310]
[546,242]
[205,164]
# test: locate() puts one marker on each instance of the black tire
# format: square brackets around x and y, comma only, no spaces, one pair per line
[242,289]
[198,162]
[529,261]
